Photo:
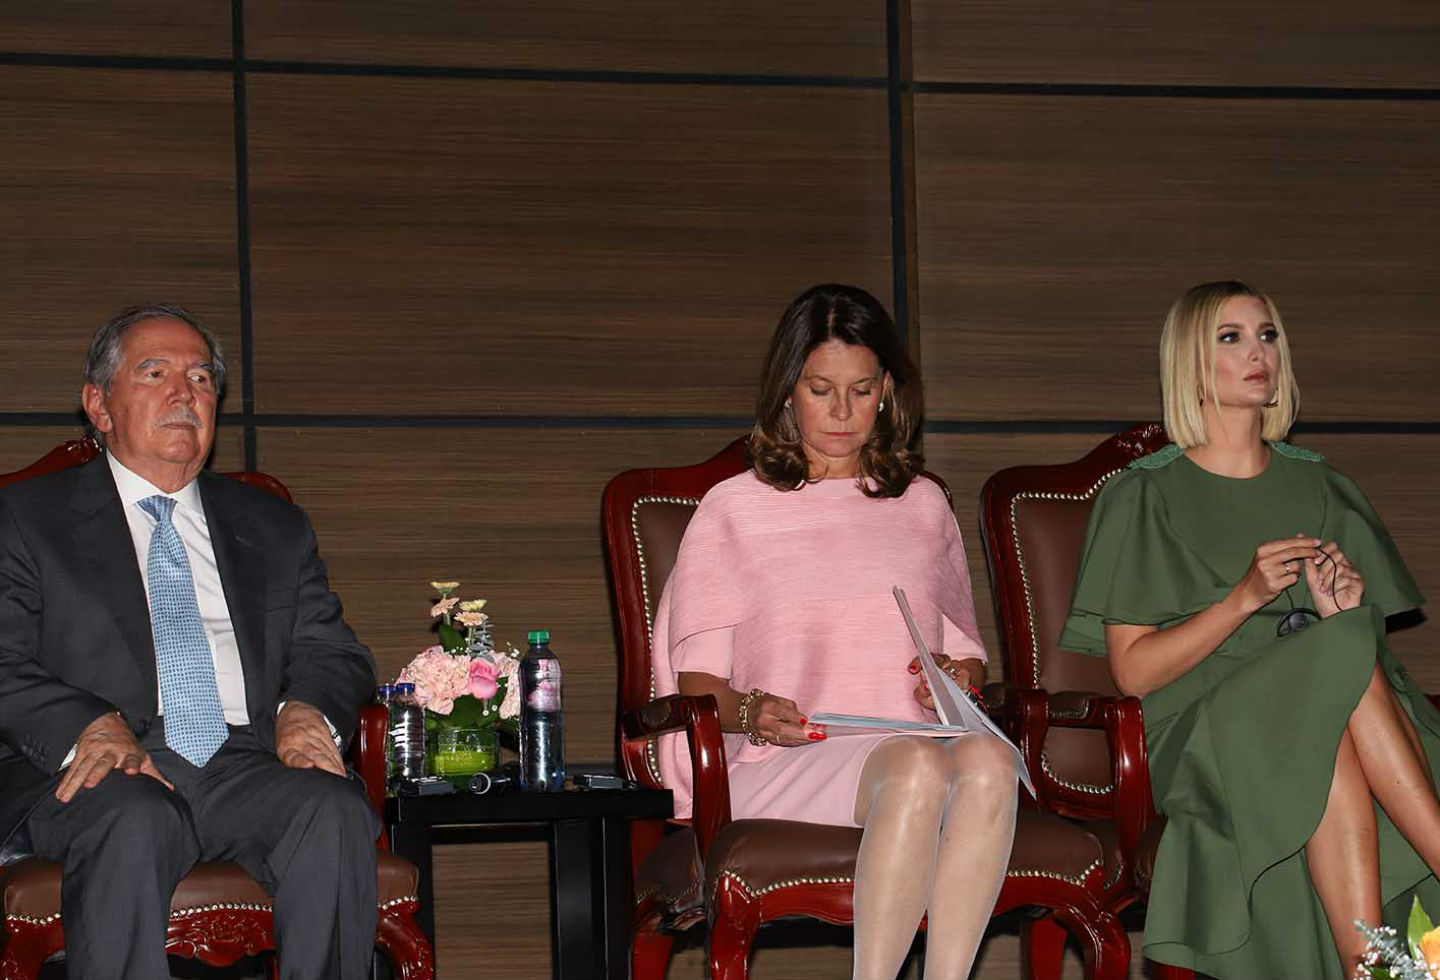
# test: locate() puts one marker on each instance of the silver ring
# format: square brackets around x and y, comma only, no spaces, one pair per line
[1290,567]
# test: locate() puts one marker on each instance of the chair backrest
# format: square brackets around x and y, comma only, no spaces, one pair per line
[645,513]
[1033,519]
[78,451]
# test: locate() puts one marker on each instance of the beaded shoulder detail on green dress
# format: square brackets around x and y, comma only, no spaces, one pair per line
[1159,458]
[1295,452]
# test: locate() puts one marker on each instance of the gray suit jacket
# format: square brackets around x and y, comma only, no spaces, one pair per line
[75,639]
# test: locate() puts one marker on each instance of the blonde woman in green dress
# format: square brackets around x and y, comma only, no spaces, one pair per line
[1291,752]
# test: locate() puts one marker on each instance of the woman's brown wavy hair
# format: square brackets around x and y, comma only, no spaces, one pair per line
[852,316]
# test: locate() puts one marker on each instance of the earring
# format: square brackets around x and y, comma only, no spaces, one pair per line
[882,406]
[787,403]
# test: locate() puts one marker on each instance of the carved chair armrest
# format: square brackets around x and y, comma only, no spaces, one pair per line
[699,719]
[1121,720]
[1134,805]
[367,757]
[999,698]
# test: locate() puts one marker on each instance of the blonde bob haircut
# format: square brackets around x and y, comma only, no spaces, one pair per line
[1187,364]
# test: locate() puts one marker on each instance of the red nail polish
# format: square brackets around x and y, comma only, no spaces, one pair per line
[816,736]
[803,720]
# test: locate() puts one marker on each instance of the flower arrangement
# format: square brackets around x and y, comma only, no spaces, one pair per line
[1387,958]
[462,682]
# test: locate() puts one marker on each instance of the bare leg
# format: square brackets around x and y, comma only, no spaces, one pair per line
[1344,857]
[1396,772]
[974,853]
[901,801]
[1411,734]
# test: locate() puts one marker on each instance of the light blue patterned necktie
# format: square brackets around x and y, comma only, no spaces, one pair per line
[194,717]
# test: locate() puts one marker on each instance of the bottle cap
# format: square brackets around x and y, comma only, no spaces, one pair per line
[404,688]
[539,637]
[385,690]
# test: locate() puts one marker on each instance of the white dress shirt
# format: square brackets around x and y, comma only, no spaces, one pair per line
[189,520]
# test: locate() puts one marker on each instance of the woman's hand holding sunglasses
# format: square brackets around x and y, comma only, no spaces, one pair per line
[1334,583]
[1275,567]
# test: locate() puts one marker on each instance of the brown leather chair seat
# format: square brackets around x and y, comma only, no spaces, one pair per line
[672,874]
[765,855]
[1114,853]
[32,888]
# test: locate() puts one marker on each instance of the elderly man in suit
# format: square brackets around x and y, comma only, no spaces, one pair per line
[176,678]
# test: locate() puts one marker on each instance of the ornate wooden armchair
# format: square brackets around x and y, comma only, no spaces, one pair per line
[218,913]
[1083,742]
[739,874]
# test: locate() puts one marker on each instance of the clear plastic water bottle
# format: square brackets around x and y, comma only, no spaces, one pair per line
[384,694]
[406,738]
[542,732]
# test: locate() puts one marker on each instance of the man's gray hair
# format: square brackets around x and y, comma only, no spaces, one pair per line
[106,350]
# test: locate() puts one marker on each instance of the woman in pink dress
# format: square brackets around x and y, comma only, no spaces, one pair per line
[780,606]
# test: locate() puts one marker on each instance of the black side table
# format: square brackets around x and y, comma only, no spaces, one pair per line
[591,894]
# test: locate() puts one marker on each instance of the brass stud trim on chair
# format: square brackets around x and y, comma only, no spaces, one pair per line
[652,757]
[787,883]
[1055,777]
[219,907]
[1077,880]
[31,920]
[1030,617]
[36,920]
[655,891]
[1115,876]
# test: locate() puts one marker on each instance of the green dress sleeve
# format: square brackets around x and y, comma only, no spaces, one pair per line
[1134,567]
[1352,523]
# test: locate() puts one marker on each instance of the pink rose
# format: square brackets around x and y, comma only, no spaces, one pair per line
[438,677]
[482,679]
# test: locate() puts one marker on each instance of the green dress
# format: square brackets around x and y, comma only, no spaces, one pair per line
[1242,746]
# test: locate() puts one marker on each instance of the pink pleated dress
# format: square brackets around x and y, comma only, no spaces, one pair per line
[790,592]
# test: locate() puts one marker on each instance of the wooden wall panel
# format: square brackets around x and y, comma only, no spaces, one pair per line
[492,911]
[1397,473]
[512,514]
[1344,43]
[194,28]
[115,188]
[452,246]
[1055,232]
[812,37]
[21,445]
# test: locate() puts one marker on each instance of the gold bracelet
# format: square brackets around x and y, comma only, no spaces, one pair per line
[755,737]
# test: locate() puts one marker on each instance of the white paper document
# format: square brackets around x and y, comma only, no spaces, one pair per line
[958,714]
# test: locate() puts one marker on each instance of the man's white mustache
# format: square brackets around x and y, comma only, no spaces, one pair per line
[180,416]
